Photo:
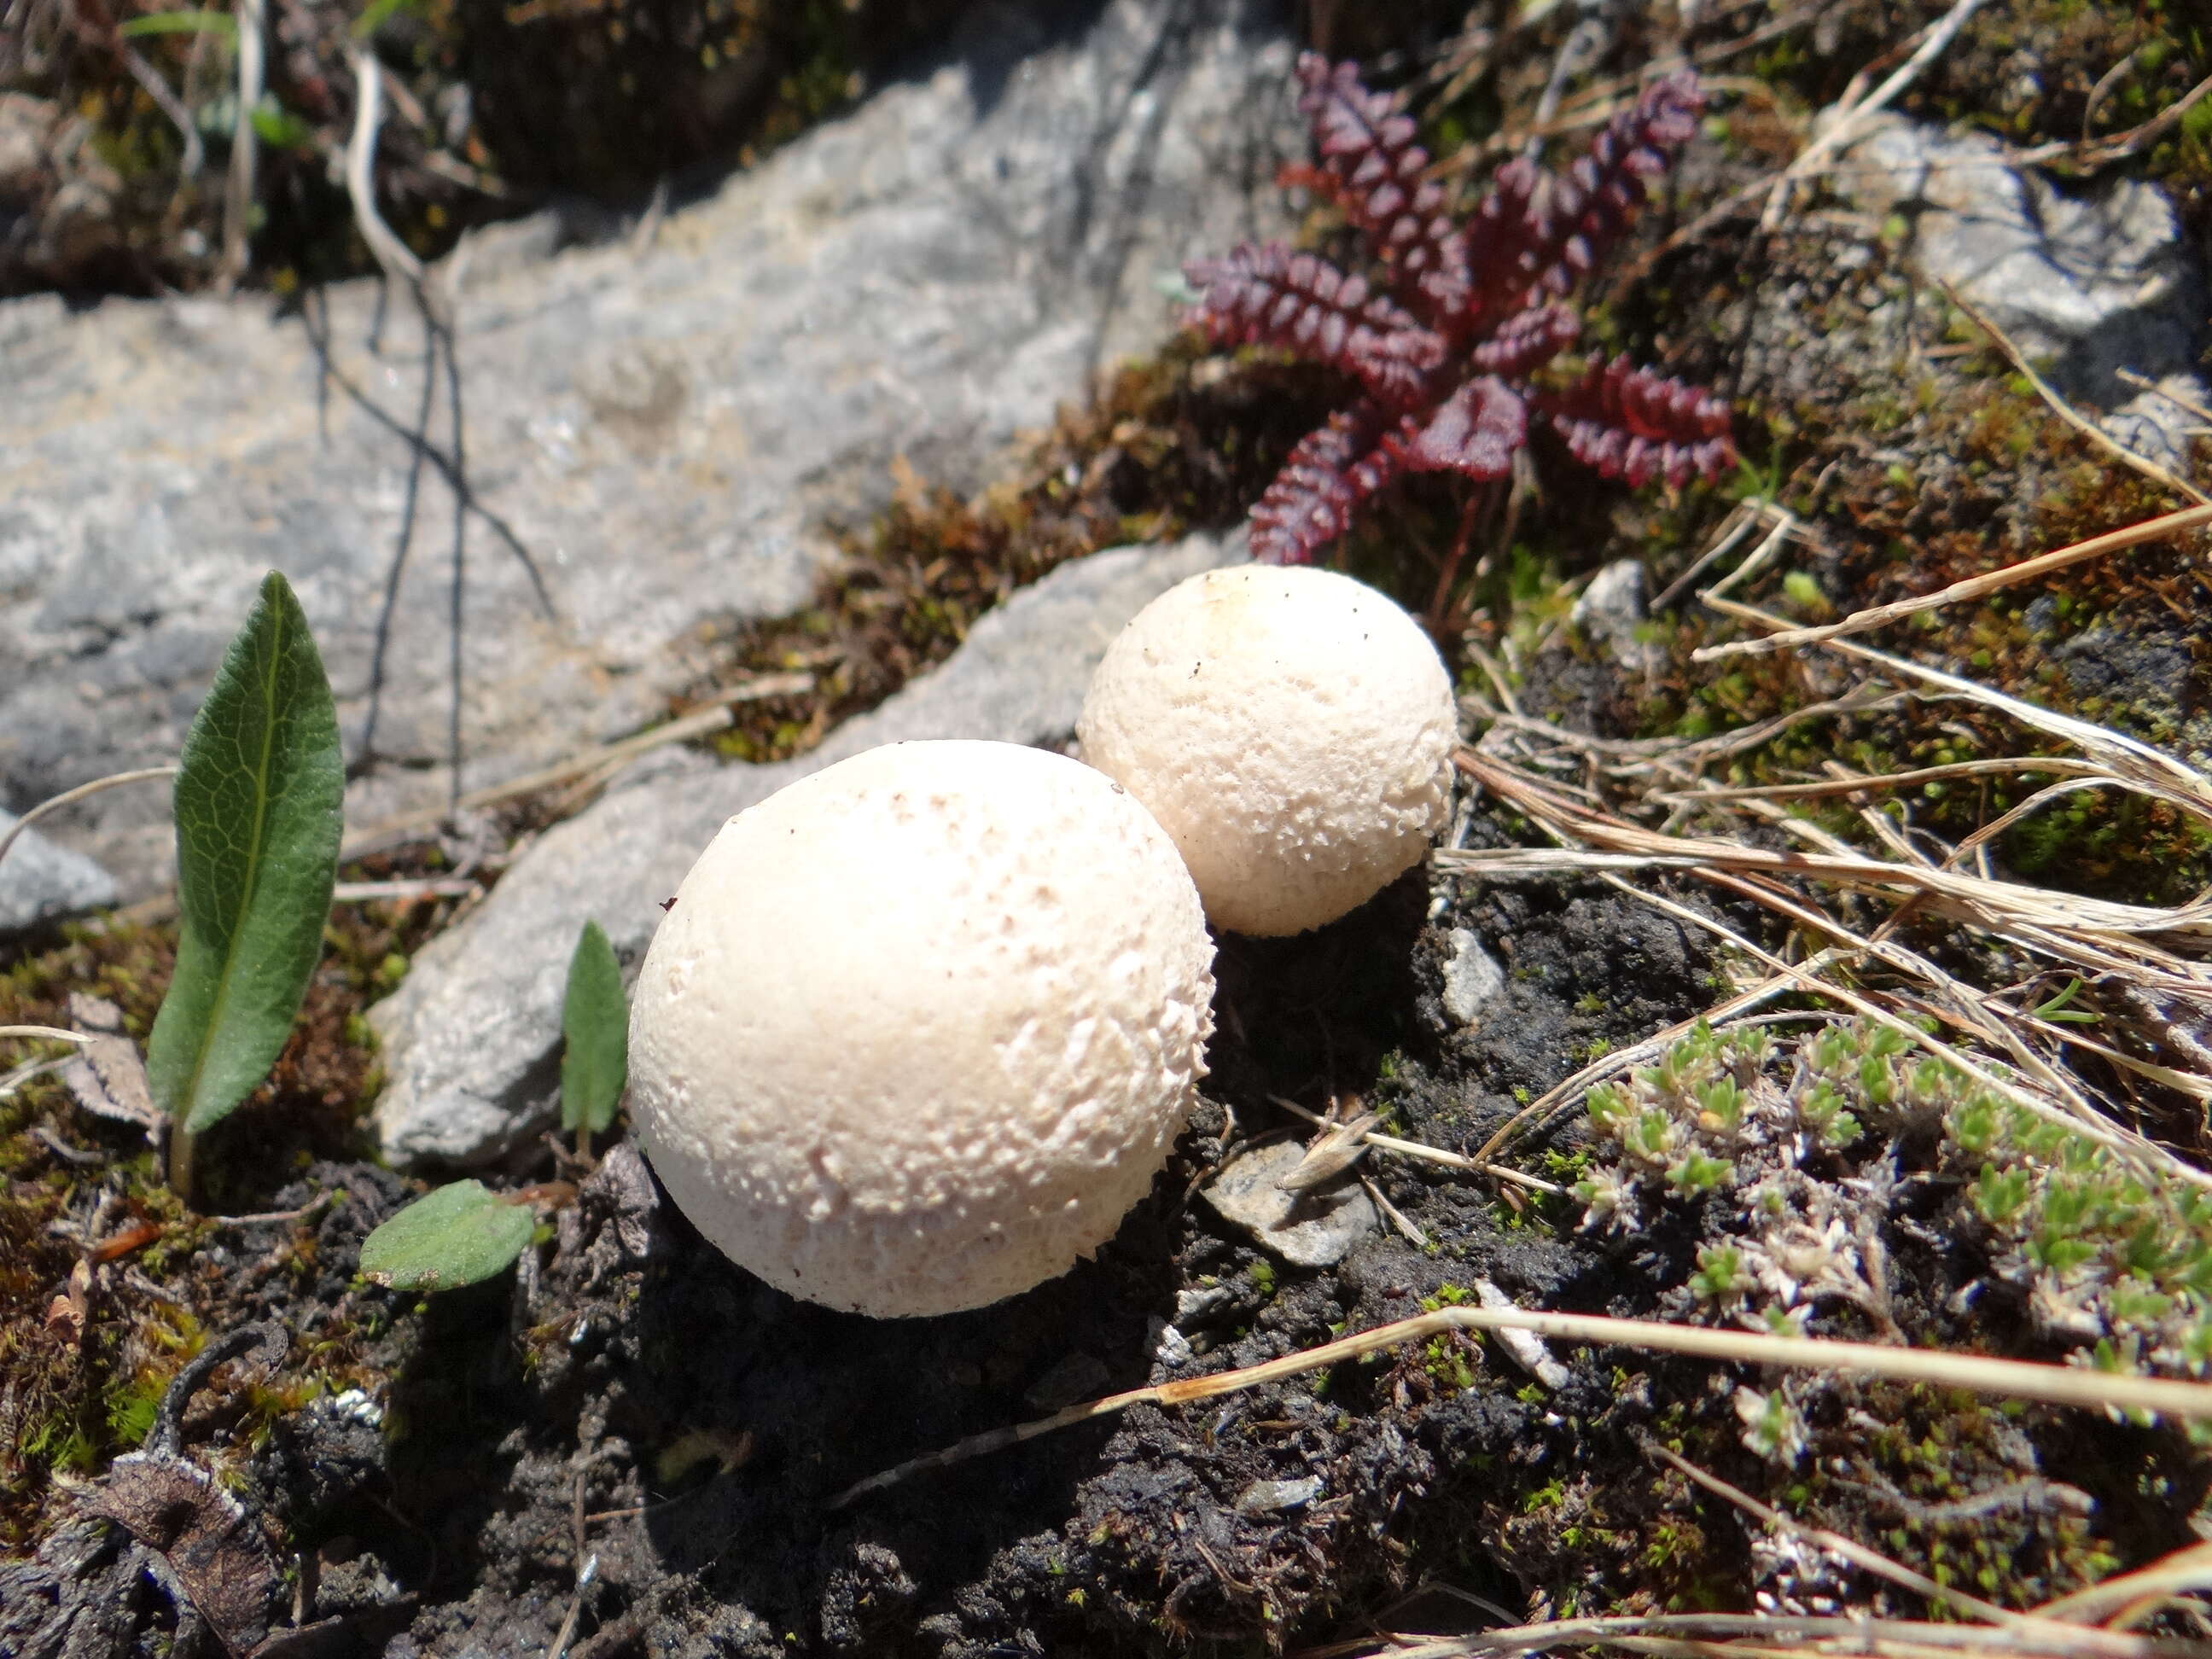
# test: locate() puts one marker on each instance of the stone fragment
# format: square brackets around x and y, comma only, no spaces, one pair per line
[41,882]
[1313,1229]
[1472,978]
[1278,1496]
[471,1037]
[1610,610]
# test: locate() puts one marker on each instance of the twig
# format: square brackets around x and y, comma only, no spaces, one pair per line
[2144,766]
[1834,1542]
[2144,383]
[1851,123]
[363,892]
[2056,1385]
[46,1034]
[1734,530]
[398,260]
[2186,1569]
[1857,784]
[166,100]
[1414,1149]
[273,1218]
[1778,1636]
[70,796]
[2120,145]
[1974,588]
[712,715]
[237,199]
[78,1157]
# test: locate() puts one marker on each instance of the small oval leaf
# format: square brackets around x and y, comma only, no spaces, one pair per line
[456,1235]
[595,1022]
[260,800]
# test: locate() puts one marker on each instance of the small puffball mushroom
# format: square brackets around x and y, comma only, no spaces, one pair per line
[922,1028]
[1290,728]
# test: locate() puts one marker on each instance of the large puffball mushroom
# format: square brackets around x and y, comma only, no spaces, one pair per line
[921,1028]
[1290,728]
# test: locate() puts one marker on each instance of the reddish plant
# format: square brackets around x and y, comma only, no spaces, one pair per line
[1444,342]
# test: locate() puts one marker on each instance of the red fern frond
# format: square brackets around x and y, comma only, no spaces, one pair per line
[1268,295]
[1631,423]
[1512,243]
[1605,187]
[1539,235]
[1329,476]
[1475,431]
[1525,342]
[1367,148]
[1444,359]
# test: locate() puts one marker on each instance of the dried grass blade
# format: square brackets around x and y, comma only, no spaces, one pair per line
[2056,1385]
[1974,588]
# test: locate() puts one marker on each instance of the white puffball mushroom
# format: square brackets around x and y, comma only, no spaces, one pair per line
[921,1028]
[1290,728]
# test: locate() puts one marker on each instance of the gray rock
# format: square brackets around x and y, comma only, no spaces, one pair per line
[1610,609]
[471,1037]
[2101,283]
[1310,1229]
[40,882]
[669,426]
[1472,978]
[1276,1497]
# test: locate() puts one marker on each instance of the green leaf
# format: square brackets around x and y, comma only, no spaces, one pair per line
[457,1236]
[260,805]
[181,23]
[278,127]
[595,1022]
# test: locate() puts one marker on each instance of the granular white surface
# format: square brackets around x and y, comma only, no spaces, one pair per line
[922,1028]
[1290,728]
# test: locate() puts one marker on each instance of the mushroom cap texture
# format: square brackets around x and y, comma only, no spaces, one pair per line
[1290,728]
[922,1028]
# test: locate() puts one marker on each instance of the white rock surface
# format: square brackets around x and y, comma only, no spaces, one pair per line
[40,882]
[1473,979]
[1609,610]
[669,426]
[2101,282]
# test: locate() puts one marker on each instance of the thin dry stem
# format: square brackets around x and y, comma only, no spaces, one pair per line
[1974,588]
[46,1034]
[70,796]
[2056,1385]
[2066,411]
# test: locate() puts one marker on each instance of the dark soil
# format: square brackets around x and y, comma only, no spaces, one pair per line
[700,1422]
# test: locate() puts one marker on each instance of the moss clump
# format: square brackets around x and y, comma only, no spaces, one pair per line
[1843,1180]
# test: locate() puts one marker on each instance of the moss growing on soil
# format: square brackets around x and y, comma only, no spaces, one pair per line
[1838,1181]
[78,1188]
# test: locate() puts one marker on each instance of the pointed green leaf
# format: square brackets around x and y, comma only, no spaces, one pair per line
[180,22]
[457,1236]
[595,1021]
[260,802]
